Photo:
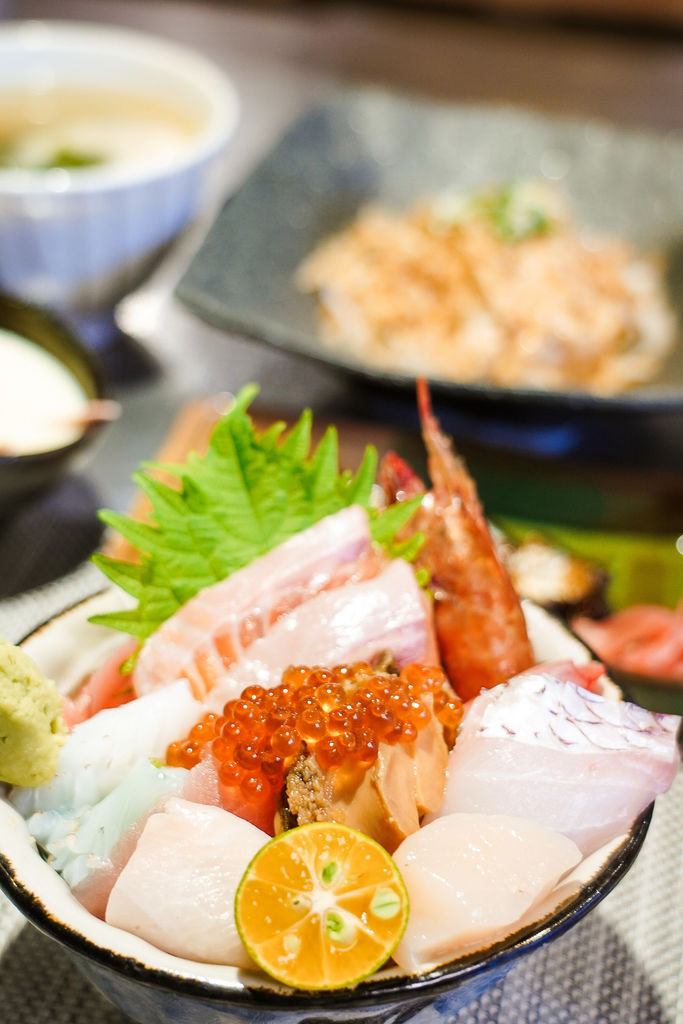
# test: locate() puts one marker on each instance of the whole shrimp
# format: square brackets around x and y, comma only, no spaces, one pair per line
[479,621]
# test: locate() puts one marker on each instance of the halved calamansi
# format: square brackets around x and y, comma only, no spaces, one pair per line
[321,906]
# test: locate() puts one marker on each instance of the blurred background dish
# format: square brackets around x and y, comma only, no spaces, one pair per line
[365,146]
[109,139]
[650,691]
[497,285]
[643,648]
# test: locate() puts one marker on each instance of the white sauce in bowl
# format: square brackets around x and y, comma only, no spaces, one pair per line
[42,405]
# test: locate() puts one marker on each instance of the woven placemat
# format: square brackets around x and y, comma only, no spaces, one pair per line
[623,964]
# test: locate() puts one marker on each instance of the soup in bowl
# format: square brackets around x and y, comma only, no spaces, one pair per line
[110,143]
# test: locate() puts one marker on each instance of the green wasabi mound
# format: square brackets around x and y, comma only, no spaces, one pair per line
[31,727]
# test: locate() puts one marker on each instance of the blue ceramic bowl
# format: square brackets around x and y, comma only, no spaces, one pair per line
[78,237]
[154,987]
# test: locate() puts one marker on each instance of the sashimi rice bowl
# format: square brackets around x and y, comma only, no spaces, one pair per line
[309,752]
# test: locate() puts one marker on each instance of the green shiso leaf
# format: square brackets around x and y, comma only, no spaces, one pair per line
[246,495]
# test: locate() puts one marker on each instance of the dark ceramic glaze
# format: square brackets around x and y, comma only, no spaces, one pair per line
[366,145]
[23,475]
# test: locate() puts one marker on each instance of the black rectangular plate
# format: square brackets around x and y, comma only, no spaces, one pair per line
[366,144]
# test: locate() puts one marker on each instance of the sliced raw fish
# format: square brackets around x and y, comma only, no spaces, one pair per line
[201,785]
[99,752]
[379,801]
[107,687]
[645,639]
[470,878]
[569,759]
[386,800]
[79,843]
[589,676]
[214,628]
[355,622]
[177,890]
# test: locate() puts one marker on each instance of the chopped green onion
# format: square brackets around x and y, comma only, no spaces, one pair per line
[340,927]
[385,903]
[330,872]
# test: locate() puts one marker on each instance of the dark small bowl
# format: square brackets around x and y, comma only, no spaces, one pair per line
[24,475]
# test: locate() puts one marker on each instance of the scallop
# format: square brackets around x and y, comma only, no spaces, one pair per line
[471,878]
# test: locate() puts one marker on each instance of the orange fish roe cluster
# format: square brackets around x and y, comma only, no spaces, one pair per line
[341,714]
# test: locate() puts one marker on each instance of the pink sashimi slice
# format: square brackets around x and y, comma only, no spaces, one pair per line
[566,758]
[178,888]
[94,891]
[589,676]
[352,623]
[107,687]
[645,639]
[214,628]
[201,785]
[470,879]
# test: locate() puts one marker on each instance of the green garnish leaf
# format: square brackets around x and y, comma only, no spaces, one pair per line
[67,158]
[513,215]
[246,495]
[64,157]
[513,212]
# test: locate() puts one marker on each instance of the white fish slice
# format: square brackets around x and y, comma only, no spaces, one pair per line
[350,623]
[470,879]
[81,842]
[99,752]
[177,891]
[569,759]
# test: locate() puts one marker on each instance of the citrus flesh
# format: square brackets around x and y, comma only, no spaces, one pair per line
[321,906]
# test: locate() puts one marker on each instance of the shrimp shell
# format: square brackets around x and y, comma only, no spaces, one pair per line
[479,621]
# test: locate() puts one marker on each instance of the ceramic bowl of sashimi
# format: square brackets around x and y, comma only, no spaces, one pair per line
[532,848]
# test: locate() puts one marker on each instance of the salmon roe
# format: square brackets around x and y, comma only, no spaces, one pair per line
[340,714]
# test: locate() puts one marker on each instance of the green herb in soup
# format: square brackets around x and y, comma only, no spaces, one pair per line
[62,157]
[73,128]
[73,158]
